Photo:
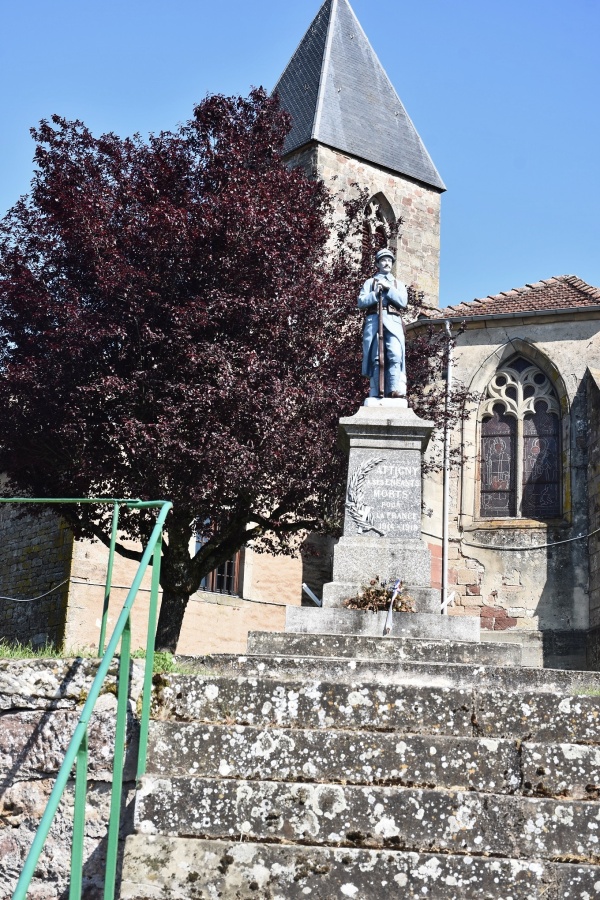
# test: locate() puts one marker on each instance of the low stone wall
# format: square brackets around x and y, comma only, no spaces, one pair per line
[40,704]
[35,559]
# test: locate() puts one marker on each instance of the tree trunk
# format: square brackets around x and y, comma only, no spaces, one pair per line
[170,620]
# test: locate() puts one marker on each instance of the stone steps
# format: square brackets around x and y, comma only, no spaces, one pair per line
[385,671]
[381,758]
[548,716]
[392,648]
[192,869]
[335,766]
[372,816]
[427,626]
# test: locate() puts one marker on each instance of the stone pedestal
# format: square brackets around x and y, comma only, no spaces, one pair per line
[382,524]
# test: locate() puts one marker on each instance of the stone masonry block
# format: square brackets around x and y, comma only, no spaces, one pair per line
[464,576]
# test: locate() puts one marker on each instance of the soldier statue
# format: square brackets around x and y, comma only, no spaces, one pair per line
[393,296]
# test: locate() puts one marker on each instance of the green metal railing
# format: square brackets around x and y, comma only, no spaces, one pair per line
[77,751]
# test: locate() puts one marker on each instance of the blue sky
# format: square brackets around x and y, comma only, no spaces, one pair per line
[504,95]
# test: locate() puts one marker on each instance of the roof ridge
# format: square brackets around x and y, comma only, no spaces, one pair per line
[522,299]
[324,65]
[574,280]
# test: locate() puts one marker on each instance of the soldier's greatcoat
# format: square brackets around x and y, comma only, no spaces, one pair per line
[397,297]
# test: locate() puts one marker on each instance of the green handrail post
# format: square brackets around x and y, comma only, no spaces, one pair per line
[109,571]
[78,746]
[112,846]
[81,773]
[149,669]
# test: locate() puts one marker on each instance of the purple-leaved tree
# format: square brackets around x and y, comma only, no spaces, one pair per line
[178,323]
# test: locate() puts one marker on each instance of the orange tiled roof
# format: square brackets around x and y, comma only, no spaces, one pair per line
[560,292]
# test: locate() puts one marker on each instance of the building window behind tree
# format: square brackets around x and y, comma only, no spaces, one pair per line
[225,579]
[520,444]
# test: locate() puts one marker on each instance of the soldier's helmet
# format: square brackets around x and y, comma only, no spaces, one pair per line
[381,254]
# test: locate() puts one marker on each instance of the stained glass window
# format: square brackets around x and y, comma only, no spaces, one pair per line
[540,464]
[498,495]
[520,444]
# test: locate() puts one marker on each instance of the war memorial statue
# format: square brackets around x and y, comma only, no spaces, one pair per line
[381,298]
[382,540]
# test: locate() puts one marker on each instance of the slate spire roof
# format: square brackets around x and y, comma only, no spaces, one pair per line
[563,292]
[338,94]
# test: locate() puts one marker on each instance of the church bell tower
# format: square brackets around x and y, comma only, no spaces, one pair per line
[349,126]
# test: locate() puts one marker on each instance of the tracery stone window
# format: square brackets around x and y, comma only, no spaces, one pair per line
[378,226]
[520,444]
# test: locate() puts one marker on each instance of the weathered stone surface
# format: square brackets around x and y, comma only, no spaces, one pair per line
[41,702]
[572,770]
[333,756]
[165,868]
[426,599]
[531,643]
[382,522]
[21,807]
[34,684]
[407,708]
[358,559]
[392,648]
[248,701]
[538,716]
[414,767]
[306,620]
[400,818]
[33,743]
[398,672]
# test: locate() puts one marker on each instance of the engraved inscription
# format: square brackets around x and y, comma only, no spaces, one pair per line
[385,498]
[394,490]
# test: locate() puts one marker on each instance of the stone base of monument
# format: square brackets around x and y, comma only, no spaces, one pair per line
[359,559]
[422,626]
[390,402]
[425,600]
[382,539]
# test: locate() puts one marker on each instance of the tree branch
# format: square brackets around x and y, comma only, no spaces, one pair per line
[120,548]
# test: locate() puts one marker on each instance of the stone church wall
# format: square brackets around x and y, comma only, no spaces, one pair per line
[419,206]
[523,592]
[593,410]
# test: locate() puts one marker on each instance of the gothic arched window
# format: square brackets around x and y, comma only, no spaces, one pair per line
[379,226]
[520,444]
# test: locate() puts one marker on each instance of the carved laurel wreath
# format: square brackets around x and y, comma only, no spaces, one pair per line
[361,515]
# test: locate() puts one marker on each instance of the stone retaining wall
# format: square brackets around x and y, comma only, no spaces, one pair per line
[40,703]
